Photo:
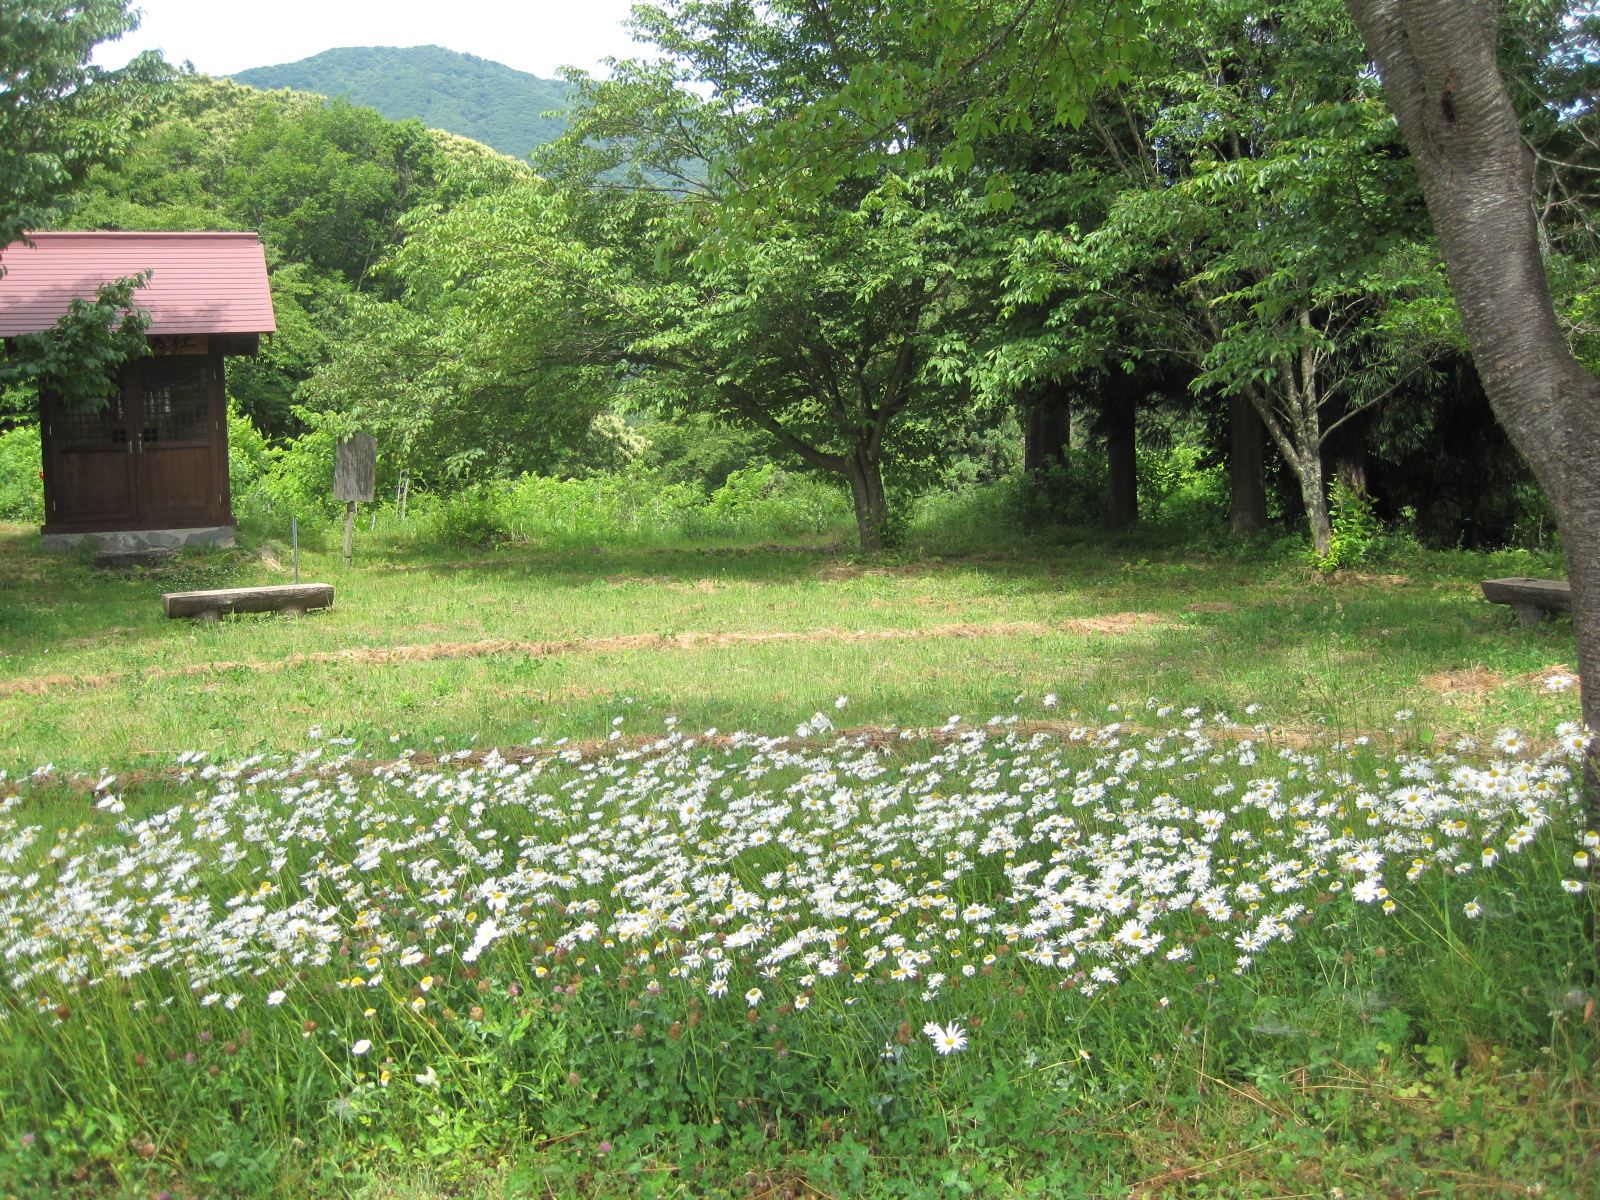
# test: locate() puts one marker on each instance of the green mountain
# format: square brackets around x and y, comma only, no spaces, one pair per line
[461,93]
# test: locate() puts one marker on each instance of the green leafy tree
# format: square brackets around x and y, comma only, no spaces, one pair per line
[1440,61]
[841,328]
[60,116]
[1263,227]
[329,186]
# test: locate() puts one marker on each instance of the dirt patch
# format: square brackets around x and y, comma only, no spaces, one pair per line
[1114,624]
[1211,606]
[1358,577]
[1559,678]
[838,572]
[1471,683]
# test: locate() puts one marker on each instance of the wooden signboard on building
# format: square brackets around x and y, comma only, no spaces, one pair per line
[164,344]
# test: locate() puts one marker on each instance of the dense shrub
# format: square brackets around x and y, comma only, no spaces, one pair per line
[473,517]
[21,493]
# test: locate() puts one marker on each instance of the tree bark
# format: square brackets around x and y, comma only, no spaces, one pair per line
[1047,431]
[1119,406]
[865,475]
[1297,432]
[1315,494]
[1437,59]
[1247,468]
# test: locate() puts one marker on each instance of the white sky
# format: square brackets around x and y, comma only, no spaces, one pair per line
[224,36]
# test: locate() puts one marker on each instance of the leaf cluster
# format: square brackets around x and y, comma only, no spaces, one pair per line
[80,360]
[60,116]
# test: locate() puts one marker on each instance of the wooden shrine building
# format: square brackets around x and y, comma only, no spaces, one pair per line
[149,470]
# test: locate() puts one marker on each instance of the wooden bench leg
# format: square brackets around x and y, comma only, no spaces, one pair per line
[1530,615]
[209,615]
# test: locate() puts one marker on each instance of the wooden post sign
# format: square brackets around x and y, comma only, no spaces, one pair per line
[355,470]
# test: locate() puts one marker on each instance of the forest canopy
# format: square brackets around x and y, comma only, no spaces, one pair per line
[1201,286]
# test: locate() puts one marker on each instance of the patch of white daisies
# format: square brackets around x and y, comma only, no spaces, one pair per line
[786,869]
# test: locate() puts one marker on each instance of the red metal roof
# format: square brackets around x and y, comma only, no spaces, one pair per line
[200,282]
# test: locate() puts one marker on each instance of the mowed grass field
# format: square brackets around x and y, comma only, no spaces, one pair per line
[516,644]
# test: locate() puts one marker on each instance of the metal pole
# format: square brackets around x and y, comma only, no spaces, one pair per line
[294,537]
[349,529]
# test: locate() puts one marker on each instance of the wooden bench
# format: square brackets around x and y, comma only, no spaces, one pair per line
[291,598]
[1533,599]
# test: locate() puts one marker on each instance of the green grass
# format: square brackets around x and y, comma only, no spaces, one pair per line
[1419,1053]
[1228,633]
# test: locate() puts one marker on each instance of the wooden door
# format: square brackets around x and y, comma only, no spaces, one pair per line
[180,440]
[155,457]
[90,467]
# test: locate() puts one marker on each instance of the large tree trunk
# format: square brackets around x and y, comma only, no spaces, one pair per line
[1047,428]
[1120,421]
[865,475]
[1247,468]
[1438,63]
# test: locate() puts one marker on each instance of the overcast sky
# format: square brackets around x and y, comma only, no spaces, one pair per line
[224,36]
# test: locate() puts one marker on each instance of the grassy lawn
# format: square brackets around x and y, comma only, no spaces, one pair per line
[94,677]
[1081,951]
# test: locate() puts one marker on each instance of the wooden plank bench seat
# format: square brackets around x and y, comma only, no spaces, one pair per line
[292,598]
[1533,599]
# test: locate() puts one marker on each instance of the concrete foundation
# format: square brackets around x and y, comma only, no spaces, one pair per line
[126,542]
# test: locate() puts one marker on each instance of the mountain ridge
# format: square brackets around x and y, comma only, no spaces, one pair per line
[464,94]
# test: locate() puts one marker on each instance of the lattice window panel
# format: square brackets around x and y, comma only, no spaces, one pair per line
[174,402]
[93,430]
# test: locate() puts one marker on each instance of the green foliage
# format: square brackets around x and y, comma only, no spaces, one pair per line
[467,95]
[470,517]
[80,360]
[62,116]
[759,503]
[1259,224]
[427,376]
[21,493]
[250,458]
[326,184]
[293,479]
[697,448]
[265,385]
[1355,530]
